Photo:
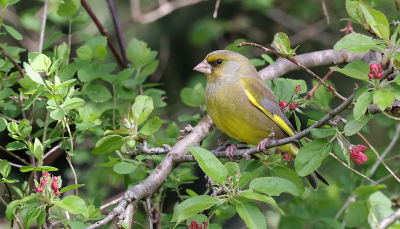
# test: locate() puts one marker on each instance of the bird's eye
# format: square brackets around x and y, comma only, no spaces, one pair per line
[219,61]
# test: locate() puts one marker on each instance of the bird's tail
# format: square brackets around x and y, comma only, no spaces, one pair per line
[313,177]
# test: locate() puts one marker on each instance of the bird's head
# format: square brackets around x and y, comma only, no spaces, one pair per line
[224,64]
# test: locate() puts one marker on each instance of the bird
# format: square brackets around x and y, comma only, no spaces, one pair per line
[242,105]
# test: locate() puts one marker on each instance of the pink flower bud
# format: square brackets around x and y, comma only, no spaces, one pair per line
[198,227]
[283,104]
[357,157]
[379,68]
[43,182]
[370,75]
[55,179]
[292,106]
[57,192]
[193,224]
[298,89]
[378,75]
[361,148]
[374,68]
[204,225]
[54,185]
[46,174]
[277,151]
[39,189]
[286,156]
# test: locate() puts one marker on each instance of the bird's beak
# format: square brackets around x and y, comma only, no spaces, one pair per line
[203,67]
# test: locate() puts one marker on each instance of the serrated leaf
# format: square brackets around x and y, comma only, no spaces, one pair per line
[355,43]
[74,204]
[274,186]
[357,69]
[311,155]
[251,215]
[108,144]
[377,21]
[209,164]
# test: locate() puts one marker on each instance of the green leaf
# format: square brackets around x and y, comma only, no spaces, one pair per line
[322,132]
[14,33]
[73,103]
[54,67]
[3,124]
[331,223]
[32,74]
[5,92]
[246,177]
[38,149]
[354,126]
[12,2]
[152,126]
[74,204]
[288,174]
[71,187]
[5,168]
[274,186]
[186,204]
[377,20]
[311,155]
[356,213]
[31,216]
[84,53]
[193,96]
[366,191]
[251,215]
[66,83]
[362,105]
[209,164]
[57,114]
[98,93]
[16,145]
[232,168]
[124,168]
[257,62]
[67,9]
[284,90]
[139,54]
[142,107]
[260,197]
[196,208]
[38,61]
[354,11]
[12,207]
[282,43]
[101,52]
[267,58]
[25,169]
[383,99]
[41,218]
[357,69]
[355,43]
[108,144]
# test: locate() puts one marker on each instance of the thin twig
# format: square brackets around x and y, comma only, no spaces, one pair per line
[389,116]
[9,119]
[103,32]
[111,203]
[311,92]
[148,205]
[51,151]
[293,60]
[216,8]
[387,150]
[42,30]
[333,155]
[351,199]
[325,12]
[389,220]
[379,157]
[14,155]
[19,69]
[13,164]
[118,29]
[73,171]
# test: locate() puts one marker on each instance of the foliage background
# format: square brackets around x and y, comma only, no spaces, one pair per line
[183,38]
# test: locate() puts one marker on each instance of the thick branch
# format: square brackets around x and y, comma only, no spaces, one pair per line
[161,172]
[313,59]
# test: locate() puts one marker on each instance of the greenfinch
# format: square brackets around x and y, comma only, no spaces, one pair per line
[243,106]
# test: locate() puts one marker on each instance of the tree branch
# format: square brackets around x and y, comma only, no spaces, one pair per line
[104,33]
[389,220]
[19,69]
[118,29]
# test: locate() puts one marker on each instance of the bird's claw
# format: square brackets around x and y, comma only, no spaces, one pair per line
[230,152]
[261,146]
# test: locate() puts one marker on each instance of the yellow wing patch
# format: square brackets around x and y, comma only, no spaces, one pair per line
[278,120]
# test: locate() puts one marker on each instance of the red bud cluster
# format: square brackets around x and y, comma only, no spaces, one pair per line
[286,156]
[292,106]
[356,154]
[48,184]
[283,104]
[375,71]
[194,225]
[298,89]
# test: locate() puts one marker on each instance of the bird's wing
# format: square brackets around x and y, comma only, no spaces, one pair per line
[260,96]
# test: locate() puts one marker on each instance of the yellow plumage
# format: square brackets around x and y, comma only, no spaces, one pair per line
[242,105]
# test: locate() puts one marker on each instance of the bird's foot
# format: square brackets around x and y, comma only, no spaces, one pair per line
[261,146]
[230,152]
